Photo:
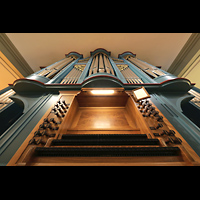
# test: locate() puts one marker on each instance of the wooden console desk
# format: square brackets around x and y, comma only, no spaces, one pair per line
[81,128]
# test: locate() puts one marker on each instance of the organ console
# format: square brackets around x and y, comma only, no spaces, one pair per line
[82,128]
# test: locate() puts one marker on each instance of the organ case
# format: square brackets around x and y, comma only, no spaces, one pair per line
[82,128]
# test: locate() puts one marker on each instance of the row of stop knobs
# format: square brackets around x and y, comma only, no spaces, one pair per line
[60,108]
[148,110]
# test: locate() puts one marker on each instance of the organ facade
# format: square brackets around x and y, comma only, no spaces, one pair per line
[83,111]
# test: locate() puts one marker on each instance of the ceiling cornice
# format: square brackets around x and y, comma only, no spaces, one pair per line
[185,55]
[14,56]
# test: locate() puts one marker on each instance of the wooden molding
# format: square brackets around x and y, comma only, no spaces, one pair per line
[185,55]
[14,56]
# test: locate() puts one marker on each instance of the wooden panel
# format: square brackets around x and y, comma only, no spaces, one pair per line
[126,119]
[107,161]
[86,99]
[25,151]
[136,115]
[102,119]
[133,131]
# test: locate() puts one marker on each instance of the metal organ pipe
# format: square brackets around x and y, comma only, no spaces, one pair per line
[106,65]
[153,71]
[101,65]
[129,75]
[125,75]
[50,71]
[95,68]
[75,76]
[111,69]
[72,76]
[92,66]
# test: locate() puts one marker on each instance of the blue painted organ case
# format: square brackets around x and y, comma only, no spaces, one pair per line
[61,122]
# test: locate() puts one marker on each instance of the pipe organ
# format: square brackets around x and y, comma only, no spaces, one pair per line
[100,110]
[101,64]
[128,74]
[147,68]
[53,69]
[74,75]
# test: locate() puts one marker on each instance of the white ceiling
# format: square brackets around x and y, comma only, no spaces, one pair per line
[43,49]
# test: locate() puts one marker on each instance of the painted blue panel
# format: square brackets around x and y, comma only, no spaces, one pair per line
[100,50]
[18,132]
[117,71]
[188,130]
[38,78]
[160,79]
